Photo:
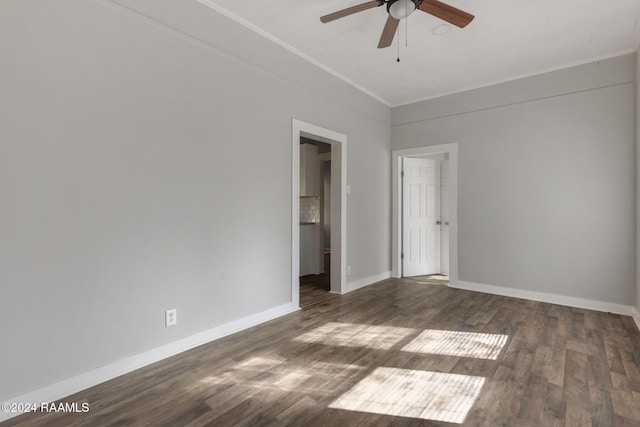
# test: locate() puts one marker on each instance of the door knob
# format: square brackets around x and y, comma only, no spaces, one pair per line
[446,223]
[438,222]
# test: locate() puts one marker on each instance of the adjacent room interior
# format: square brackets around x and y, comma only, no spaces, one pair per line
[235,213]
[315,222]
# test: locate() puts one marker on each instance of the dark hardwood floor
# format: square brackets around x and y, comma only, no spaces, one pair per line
[314,288]
[396,353]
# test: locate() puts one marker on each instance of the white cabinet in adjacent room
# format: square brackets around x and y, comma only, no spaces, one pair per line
[309,170]
[307,249]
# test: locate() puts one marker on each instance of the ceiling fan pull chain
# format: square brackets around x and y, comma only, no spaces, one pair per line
[398,30]
[406,32]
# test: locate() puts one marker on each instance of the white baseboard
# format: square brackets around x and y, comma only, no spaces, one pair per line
[609,307]
[88,379]
[370,280]
[636,317]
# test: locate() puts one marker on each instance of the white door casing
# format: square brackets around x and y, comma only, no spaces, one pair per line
[420,217]
[451,150]
[338,143]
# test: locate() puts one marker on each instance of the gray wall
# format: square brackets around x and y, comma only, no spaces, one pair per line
[546,179]
[145,164]
[638,181]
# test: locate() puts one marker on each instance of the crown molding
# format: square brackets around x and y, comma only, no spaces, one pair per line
[523,76]
[217,8]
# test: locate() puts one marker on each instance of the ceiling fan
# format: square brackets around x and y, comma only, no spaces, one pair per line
[399,9]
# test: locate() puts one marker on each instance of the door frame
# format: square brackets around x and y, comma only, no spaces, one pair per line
[396,204]
[338,141]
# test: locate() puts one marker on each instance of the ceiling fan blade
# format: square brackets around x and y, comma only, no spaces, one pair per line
[388,32]
[350,11]
[454,16]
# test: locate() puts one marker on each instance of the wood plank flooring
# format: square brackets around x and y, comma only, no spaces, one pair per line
[314,288]
[396,353]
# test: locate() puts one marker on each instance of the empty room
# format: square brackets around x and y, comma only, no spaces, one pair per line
[433,219]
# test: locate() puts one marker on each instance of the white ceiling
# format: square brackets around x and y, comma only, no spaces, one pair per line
[508,39]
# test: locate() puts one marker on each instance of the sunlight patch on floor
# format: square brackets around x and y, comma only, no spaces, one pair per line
[356,335]
[416,394]
[259,363]
[267,373]
[454,343]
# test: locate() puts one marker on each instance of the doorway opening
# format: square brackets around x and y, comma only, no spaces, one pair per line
[310,215]
[315,222]
[424,214]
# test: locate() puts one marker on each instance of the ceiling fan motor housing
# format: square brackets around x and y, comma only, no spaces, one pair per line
[400,9]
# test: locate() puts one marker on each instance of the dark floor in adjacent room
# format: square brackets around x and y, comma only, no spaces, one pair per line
[314,288]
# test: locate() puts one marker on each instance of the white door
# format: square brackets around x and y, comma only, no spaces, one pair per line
[444,217]
[420,217]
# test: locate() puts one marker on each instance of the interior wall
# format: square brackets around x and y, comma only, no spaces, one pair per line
[638,184]
[145,164]
[546,179]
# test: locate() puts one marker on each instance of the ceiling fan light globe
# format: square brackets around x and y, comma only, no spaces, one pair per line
[400,9]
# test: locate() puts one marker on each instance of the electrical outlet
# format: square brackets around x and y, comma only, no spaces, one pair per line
[171,317]
[348,270]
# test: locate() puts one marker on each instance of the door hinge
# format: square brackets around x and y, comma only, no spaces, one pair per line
[402,255]
[402,174]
